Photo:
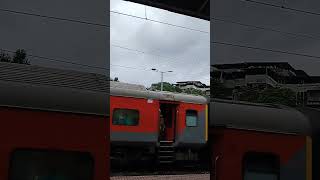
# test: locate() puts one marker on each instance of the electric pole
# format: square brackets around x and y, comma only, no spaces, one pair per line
[161,72]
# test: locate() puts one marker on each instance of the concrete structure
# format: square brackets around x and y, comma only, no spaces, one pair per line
[269,74]
[197,9]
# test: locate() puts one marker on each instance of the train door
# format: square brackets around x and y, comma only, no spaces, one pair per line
[167,121]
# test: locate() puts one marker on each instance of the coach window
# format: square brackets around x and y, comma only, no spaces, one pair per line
[125,117]
[191,118]
[51,165]
[261,166]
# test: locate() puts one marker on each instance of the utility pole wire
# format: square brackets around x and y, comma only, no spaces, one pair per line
[267,29]
[161,22]
[282,7]
[53,17]
[264,49]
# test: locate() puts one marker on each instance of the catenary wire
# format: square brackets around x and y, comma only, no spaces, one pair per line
[52,17]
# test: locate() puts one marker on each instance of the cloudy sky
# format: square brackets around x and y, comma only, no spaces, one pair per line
[167,48]
[68,41]
[244,12]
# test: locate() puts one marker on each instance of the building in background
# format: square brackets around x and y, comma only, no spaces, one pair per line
[194,85]
[268,74]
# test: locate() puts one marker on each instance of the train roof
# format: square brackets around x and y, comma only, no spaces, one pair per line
[159,95]
[258,117]
[313,115]
[35,87]
[117,84]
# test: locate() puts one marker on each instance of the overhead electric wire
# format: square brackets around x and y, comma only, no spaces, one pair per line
[266,29]
[248,60]
[169,59]
[78,64]
[144,52]
[265,49]
[160,22]
[130,67]
[283,7]
[52,17]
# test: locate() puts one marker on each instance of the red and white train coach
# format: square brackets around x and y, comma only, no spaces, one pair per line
[137,133]
[259,142]
[53,124]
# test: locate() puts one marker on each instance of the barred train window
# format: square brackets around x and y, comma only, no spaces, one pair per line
[261,166]
[191,118]
[126,117]
[51,165]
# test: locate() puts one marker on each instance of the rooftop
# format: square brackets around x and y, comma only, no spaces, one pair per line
[36,87]
[194,8]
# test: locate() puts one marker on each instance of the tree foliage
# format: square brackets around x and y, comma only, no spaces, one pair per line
[172,88]
[5,57]
[270,95]
[19,57]
[218,90]
[166,87]
[278,96]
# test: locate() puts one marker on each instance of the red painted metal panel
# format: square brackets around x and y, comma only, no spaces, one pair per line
[181,119]
[230,146]
[148,112]
[22,128]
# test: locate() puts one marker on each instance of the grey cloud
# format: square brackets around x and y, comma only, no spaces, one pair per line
[62,40]
[258,15]
[187,51]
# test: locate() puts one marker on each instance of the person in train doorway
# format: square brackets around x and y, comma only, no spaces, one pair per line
[162,127]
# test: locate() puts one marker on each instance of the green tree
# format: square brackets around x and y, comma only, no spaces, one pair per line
[20,57]
[172,88]
[5,57]
[218,90]
[166,87]
[269,95]
[194,91]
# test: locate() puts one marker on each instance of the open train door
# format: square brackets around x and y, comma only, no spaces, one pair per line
[167,133]
[168,112]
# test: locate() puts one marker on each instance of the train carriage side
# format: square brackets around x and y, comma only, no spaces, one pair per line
[258,142]
[191,129]
[313,114]
[52,126]
[134,122]
[144,124]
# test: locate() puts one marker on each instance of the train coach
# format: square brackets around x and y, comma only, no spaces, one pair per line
[253,141]
[313,115]
[53,124]
[160,127]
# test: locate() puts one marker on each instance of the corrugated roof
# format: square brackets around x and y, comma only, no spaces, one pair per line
[53,77]
[159,95]
[259,117]
[115,84]
[51,89]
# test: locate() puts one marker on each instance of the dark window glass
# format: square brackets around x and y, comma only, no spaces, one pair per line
[261,166]
[191,118]
[51,165]
[126,117]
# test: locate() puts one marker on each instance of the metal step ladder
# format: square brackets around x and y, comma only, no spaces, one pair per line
[166,153]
